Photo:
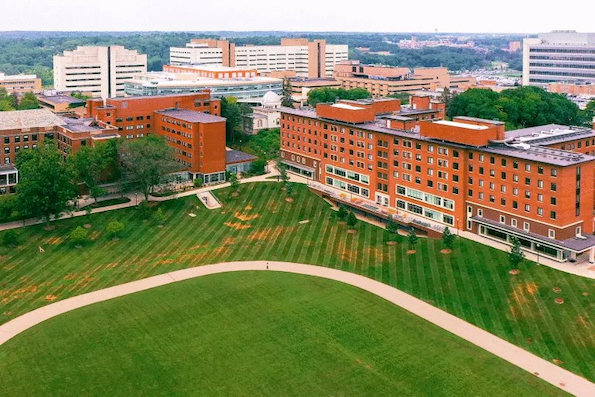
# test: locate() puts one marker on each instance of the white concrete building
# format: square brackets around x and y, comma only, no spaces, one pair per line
[307,59]
[559,56]
[267,115]
[100,71]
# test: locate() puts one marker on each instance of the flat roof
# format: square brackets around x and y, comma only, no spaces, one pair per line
[346,106]
[190,116]
[537,154]
[494,122]
[24,119]
[60,99]
[83,124]
[461,125]
[235,156]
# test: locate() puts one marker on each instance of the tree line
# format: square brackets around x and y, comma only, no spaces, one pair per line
[519,107]
[49,185]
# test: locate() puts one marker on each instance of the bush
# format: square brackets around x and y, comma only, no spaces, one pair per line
[412,237]
[159,216]
[448,239]
[342,213]
[115,229]
[351,220]
[257,166]
[10,238]
[79,236]
[8,205]
[198,182]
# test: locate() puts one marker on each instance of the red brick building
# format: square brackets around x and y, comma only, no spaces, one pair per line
[467,174]
[190,123]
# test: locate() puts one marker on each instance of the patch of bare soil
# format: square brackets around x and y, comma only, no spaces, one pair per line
[87,226]
[244,217]
[445,251]
[351,231]
[237,225]
[289,199]
[391,243]
[411,252]
[514,272]
[559,301]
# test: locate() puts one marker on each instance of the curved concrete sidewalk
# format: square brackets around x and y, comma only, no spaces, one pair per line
[549,372]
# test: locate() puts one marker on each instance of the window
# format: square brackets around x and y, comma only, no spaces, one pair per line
[527,208]
[553,214]
[513,222]
[502,219]
[551,233]
[526,226]
[554,187]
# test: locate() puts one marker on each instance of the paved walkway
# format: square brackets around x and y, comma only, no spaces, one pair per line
[209,200]
[547,371]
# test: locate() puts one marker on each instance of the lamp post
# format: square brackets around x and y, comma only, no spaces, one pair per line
[537,246]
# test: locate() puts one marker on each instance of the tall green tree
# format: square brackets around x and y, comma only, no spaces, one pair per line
[286,99]
[519,107]
[46,185]
[91,164]
[515,255]
[147,161]
[412,237]
[448,239]
[233,111]
[28,101]
[320,95]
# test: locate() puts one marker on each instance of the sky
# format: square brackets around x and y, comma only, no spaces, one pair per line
[501,16]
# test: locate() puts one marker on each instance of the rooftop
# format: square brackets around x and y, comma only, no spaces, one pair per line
[235,156]
[549,134]
[191,116]
[24,119]
[346,106]
[83,124]
[461,125]
[165,79]
[523,151]
[55,99]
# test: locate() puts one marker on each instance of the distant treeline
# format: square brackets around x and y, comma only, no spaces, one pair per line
[32,52]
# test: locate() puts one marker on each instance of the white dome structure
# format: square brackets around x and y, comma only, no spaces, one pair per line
[271,100]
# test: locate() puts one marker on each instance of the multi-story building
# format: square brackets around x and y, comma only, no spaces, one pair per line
[559,56]
[307,59]
[24,129]
[222,81]
[190,123]
[300,87]
[20,83]
[467,174]
[382,81]
[100,71]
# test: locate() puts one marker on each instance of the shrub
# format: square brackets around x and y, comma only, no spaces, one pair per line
[342,213]
[159,216]
[515,255]
[412,237]
[198,182]
[448,239]
[289,189]
[351,220]
[8,204]
[10,238]
[115,229]
[144,211]
[79,235]
[257,166]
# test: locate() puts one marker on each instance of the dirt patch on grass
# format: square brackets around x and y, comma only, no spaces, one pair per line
[237,225]
[411,252]
[51,297]
[165,262]
[260,235]
[532,288]
[445,251]
[557,362]
[289,199]
[111,265]
[71,276]
[514,272]
[391,243]
[559,301]
[245,217]
[583,322]
[351,231]
[248,208]
[94,236]
[229,241]
[557,289]
[52,241]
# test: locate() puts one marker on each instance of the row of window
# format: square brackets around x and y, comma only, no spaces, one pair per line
[361,191]
[19,138]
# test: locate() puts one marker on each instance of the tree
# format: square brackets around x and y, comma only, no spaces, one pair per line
[28,101]
[342,213]
[10,238]
[159,216]
[79,236]
[351,220]
[286,99]
[233,111]
[147,160]
[258,166]
[392,228]
[198,182]
[320,95]
[282,168]
[515,255]
[448,239]
[519,107]
[412,237]
[115,229]
[403,96]
[8,205]
[288,189]
[234,182]
[46,184]
[7,101]
[90,164]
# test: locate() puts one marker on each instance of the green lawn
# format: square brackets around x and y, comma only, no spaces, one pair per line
[253,334]
[472,283]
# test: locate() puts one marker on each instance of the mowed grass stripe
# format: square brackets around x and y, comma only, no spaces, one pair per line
[472,282]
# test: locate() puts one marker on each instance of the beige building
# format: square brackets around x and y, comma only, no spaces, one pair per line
[300,87]
[101,71]
[382,81]
[20,83]
[307,58]
[267,115]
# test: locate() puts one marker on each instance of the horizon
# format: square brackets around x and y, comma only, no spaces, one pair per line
[462,16]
